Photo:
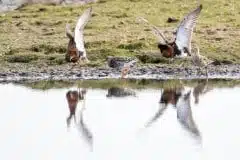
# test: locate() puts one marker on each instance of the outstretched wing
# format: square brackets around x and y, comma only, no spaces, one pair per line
[155,30]
[78,32]
[185,29]
[68,31]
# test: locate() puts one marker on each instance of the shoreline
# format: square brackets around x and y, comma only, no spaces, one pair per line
[162,72]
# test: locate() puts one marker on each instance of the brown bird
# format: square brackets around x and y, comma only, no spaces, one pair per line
[181,46]
[76,50]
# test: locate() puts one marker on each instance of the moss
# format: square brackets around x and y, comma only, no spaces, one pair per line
[22,58]
[48,49]
[132,46]
[152,58]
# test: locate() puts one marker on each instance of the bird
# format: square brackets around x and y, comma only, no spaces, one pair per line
[121,64]
[181,46]
[76,51]
[200,61]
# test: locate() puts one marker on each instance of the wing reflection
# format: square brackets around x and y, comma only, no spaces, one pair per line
[178,98]
[73,98]
[184,114]
[120,92]
[169,96]
[83,128]
[160,111]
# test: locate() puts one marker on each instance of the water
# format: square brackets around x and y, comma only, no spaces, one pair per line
[133,125]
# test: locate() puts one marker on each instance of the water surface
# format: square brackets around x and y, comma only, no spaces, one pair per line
[121,122]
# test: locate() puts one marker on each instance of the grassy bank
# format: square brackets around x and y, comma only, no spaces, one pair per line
[35,34]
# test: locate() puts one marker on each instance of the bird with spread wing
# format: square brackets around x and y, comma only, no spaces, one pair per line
[181,46]
[76,50]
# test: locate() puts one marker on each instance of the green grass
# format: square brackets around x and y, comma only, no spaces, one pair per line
[36,33]
[130,83]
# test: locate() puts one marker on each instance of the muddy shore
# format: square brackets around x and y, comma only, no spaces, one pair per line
[144,72]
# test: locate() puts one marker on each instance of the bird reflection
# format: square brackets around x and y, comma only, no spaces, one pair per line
[73,98]
[169,96]
[184,114]
[178,98]
[200,89]
[120,92]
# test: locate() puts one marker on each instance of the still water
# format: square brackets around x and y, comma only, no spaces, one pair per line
[197,121]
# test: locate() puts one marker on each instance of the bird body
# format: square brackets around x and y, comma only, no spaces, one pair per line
[181,46]
[76,50]
[121,64]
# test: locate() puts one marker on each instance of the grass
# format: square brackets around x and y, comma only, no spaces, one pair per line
[36,33]
[130,83]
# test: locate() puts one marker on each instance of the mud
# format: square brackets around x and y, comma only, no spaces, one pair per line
[144,72]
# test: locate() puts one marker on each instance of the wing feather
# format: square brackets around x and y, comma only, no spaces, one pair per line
[185,29]
[68,31]
[78,32]
[155,31]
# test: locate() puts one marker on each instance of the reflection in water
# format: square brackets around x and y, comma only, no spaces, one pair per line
[169,96]
[200,89]
[184,113]
[111,125]
[73,98]
[160,111]
[82,127]
[120,92]
[177,98]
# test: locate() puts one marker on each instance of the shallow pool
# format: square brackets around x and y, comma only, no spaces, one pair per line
[198,121]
